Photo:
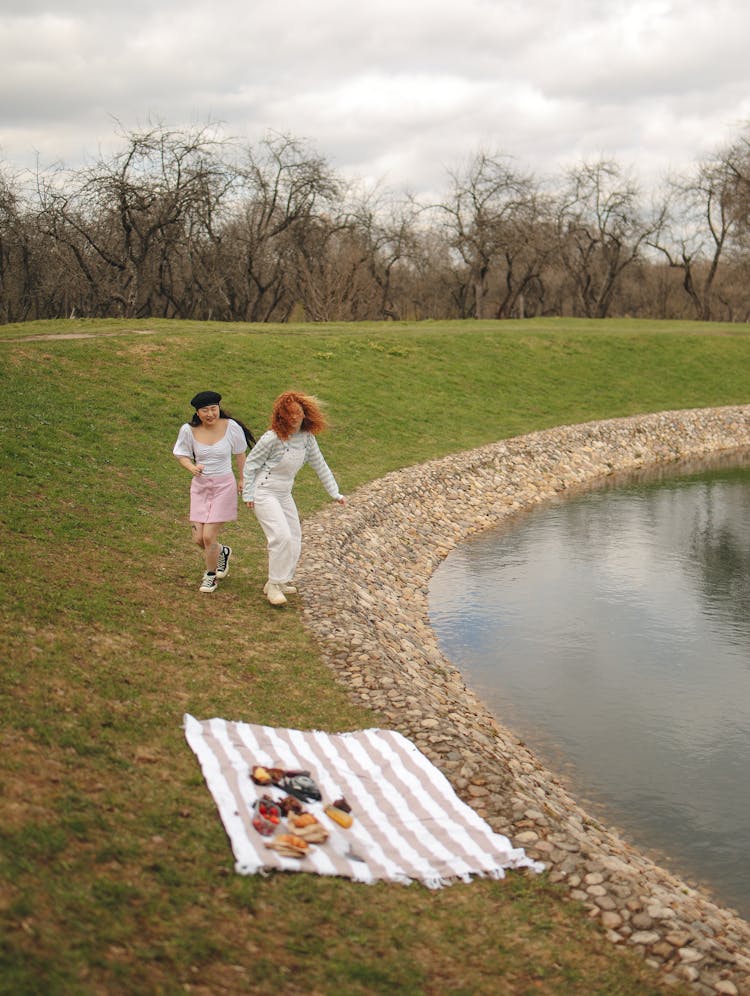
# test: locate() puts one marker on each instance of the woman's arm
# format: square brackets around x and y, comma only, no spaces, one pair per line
[184,451]
[315,458]
[196,469]
[239,460]
[254,461]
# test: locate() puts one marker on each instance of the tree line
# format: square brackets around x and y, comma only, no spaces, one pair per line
[181,224]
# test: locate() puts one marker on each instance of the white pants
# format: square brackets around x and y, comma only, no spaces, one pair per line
[279,519]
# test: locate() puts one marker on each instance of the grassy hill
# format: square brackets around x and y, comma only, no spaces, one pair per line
[116,873]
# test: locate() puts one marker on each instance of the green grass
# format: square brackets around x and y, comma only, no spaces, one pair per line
[116,873]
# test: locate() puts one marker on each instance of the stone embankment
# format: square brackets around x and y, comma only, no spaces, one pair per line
[365,574]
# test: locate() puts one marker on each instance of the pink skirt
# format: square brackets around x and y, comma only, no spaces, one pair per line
[213,499]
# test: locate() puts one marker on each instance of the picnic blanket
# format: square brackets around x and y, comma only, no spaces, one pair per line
[407,822]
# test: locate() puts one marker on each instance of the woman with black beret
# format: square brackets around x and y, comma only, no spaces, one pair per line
[205,447]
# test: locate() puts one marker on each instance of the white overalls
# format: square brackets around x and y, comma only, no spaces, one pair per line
[270,471]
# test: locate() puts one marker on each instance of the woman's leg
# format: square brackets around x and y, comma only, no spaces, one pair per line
[196,533]
[282,555]
[206,536]
[291,515]
[211,546]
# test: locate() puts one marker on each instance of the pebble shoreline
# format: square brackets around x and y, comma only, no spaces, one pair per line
[364,578]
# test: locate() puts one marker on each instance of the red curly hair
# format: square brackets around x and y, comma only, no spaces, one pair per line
[287,409]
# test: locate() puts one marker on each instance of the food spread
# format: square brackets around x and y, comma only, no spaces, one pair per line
[303,828]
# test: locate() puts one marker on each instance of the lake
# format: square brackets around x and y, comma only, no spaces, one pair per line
[610,630]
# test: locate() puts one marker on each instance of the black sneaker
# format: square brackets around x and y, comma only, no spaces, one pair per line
[222,568]
[208,583]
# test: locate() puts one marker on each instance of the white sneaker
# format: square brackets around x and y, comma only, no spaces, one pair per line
[287,588]
[274,594]
[209,582]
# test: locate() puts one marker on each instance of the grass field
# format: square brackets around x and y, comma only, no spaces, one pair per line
[116,873]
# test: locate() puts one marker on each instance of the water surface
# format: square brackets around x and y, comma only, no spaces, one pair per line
[611,631]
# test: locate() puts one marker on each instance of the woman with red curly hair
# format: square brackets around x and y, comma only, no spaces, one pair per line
[270,471]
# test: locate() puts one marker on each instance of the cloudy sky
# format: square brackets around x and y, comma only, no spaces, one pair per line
[396,92]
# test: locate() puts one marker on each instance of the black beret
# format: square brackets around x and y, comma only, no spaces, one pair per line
[205,398]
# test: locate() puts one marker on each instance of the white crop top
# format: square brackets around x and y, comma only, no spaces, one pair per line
[215,457]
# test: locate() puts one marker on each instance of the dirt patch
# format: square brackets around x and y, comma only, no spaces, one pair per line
[81,335]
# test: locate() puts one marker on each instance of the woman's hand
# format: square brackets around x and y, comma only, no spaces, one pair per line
[250,504]
[197,469]
[341,501]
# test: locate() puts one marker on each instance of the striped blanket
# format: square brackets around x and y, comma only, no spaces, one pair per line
[408,824]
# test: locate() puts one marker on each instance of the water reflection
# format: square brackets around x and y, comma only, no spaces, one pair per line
[611,631]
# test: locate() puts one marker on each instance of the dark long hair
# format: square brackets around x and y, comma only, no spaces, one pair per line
[249,437]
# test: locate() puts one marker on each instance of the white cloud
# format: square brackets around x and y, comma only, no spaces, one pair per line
[397,92]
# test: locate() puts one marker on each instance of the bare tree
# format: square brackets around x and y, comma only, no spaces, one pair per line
[388,232]
[329,277]
[490,223]
[602,230]
[701,218]
[283,188]
[15,254]
[125,221]
[183,224]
